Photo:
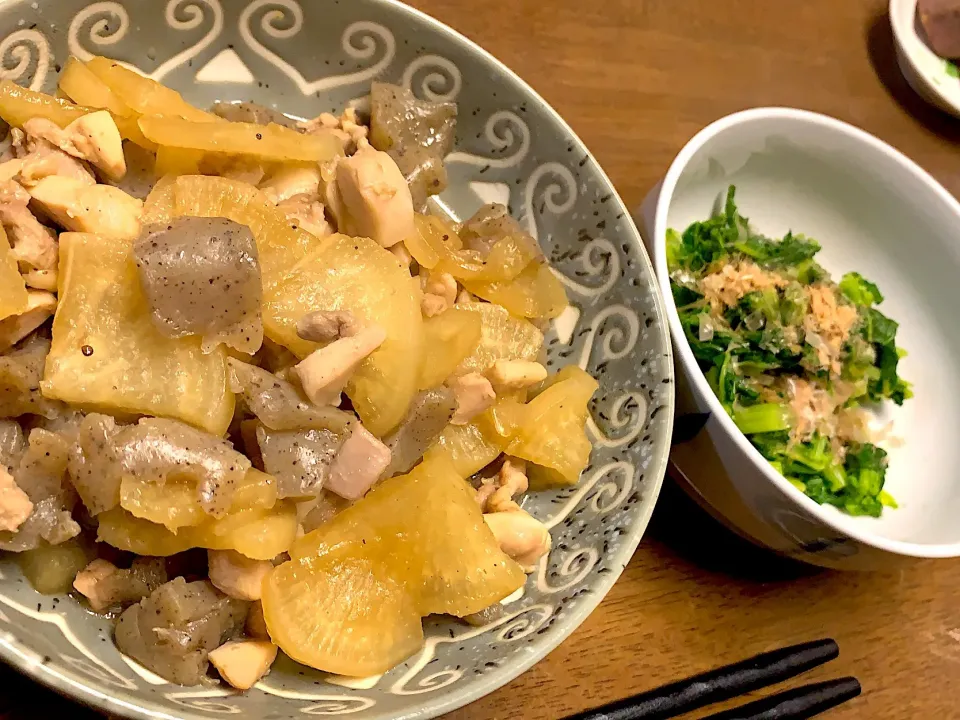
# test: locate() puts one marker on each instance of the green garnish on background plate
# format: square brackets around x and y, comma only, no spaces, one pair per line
[795,358]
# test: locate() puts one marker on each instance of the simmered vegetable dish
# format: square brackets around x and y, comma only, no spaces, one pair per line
[253,395]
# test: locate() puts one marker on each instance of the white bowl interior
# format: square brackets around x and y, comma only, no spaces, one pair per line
[877,214]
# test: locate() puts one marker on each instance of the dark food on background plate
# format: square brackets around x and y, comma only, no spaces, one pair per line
[276,359]
[796,359]
[941,22]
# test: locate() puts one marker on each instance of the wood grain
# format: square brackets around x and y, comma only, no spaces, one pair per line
[636,79]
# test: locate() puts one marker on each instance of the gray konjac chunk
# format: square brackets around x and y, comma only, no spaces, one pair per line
[172,631]
[426,419]
[21,370]
[488,226]
[156,448]
[278,404]
[417,134]
[41,475]
[201,276]
[251,112]
[127,586]
[12,443]
[300,460]
[93,468]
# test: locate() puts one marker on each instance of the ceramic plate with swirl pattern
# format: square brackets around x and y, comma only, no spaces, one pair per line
[305,58]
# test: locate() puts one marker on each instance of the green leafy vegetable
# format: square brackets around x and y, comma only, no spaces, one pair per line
[768,335]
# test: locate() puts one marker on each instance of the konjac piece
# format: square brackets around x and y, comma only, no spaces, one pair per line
[201,276]
[107,354]
[417,134]
[156,448]
[41,474]
[172,631]
[300,460]
[278,404]
[20,372]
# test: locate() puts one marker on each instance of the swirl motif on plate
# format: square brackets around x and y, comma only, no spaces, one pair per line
[17,53]
[514,626]
[201,700]
[505,132]
[320,703]
[599,259]
[557,196]
[98,19]
[441,82]
[283,19]
[616,343]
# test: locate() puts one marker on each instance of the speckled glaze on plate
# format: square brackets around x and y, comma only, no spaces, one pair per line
[309,57]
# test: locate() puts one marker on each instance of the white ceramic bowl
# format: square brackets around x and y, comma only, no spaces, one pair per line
[932,77]
[874,211]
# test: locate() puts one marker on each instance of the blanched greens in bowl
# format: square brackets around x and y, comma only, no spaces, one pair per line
[797,360]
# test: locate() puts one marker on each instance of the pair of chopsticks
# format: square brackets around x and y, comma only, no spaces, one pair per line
[733,680]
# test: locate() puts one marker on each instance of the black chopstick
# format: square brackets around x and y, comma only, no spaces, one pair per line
[797,704]
[717,685]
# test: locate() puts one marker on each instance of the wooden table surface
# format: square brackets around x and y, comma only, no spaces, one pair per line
[636,79]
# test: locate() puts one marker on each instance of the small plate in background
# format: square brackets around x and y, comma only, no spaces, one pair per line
[935,79]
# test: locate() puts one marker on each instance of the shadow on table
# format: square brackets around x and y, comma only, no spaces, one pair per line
[685,530]
[881,48]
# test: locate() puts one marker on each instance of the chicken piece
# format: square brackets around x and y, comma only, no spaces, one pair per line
[464,296]
[308,213]
[516,374]
[347,128]
[359,464]
[34,244]
[41,279]
[291,180]
[325,372]
[432,305]
[41,305]
[520,535]
[10,169]
[237,576]
[93,137]
[105,585]
[90,577]
[15,505]
[101,209]
[375,197]
[256,625]
[441,284]
[474,395]
[42,159]
[497,494]
[327,326]
[243,662]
